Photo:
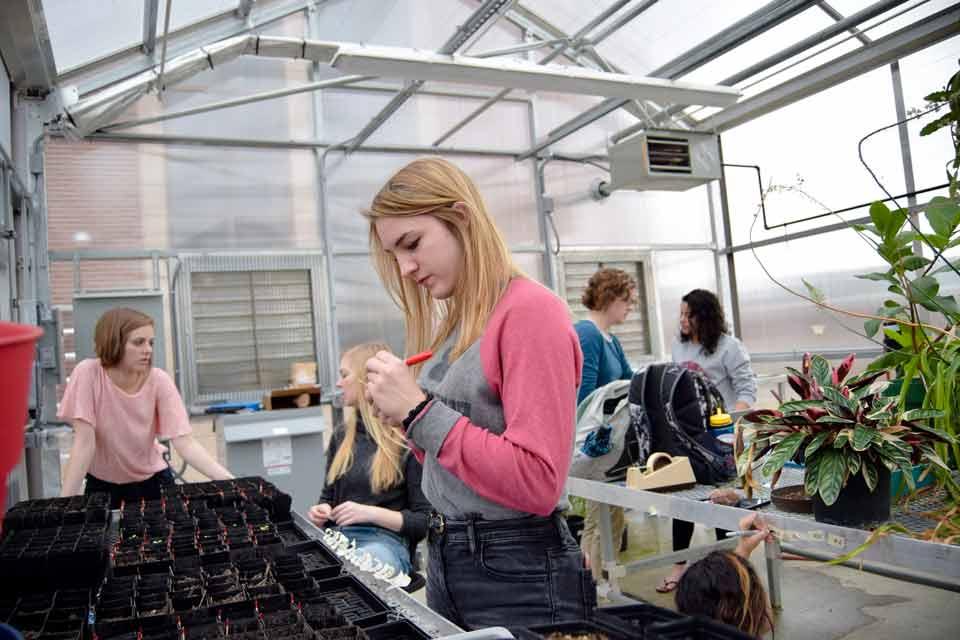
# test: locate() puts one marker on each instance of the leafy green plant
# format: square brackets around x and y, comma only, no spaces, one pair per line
[916,316]
[840,426]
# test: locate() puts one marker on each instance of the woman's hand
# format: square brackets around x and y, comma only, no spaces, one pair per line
[319,514]
[349,512]
[747,544]
[728,497]
[391,387]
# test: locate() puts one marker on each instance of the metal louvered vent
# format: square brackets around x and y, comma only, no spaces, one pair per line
[668,155]
[249,327]
[634,334]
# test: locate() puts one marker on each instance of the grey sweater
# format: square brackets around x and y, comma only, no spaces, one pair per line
[728,368]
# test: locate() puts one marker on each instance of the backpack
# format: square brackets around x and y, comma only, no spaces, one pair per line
[670,406]
[606,441]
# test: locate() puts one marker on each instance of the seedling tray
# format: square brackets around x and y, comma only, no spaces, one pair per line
[352,599]
[694,629]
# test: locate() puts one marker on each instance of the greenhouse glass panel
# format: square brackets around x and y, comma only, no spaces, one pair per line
[776,321]
[807,154]
[187,13]
[506,186]
[84,30]
[923,73]
[626,218]
[240,198]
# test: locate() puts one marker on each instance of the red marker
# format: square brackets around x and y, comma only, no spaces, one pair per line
[418,358]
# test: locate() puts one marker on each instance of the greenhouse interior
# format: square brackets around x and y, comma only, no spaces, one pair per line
[268,267]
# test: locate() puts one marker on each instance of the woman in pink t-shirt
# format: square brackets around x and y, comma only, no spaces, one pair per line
[118,404]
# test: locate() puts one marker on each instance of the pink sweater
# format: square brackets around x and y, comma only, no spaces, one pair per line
[498,438]
[126,426]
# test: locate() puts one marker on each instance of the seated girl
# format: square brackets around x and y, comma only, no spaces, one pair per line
[372,491]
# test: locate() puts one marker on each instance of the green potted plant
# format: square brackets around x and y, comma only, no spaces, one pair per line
[849,436]
[917,321]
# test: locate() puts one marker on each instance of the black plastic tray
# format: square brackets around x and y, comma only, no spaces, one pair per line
[352,599]
[539,632]
[634,618]
[399,630]
[694,629]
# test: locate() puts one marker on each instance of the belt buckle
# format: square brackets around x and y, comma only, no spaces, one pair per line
[437,523]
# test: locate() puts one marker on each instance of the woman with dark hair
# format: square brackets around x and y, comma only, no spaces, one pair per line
[724,586]
[118,404]
[705,344]
[705,341]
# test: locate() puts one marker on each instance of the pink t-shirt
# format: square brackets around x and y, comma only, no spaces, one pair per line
[126,426]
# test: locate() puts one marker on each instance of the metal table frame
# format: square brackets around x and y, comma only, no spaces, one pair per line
[903,556]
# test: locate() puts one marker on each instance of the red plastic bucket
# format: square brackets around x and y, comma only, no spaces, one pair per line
[17,344]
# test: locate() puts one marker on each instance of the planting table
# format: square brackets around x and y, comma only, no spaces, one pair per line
[895,555]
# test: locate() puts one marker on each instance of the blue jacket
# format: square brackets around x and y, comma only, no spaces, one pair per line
[603,359]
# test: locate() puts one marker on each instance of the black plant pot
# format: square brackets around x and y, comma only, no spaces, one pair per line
[856,505]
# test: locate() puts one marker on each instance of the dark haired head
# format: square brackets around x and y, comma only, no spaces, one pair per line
[723,586]
[706,318]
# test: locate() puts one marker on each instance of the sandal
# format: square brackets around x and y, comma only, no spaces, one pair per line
[667,585]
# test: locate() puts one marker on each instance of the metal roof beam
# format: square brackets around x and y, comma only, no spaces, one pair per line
[828,9]
[570,48]
[733,36]
[921,34]
[847,24]
[25,45]
[103,72]
[482,19]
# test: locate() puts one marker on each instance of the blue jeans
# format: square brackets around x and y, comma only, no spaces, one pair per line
[515,573]
[382,544]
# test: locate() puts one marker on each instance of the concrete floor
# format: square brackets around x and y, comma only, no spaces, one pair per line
[821,602]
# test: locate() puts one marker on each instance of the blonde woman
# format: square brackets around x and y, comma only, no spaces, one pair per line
[372,489]
[491,414]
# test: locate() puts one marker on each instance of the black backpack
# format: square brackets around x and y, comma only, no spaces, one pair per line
[670,407]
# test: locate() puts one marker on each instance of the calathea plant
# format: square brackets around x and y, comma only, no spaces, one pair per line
[840,426]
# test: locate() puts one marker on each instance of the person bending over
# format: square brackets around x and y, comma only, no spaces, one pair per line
[118,405]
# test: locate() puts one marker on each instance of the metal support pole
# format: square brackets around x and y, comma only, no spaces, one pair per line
[244,8]
[607,552]
[905,155]
[713,239]
[774,572]
[150,14]
[323,212]
[539,188]
[728,242]
[836,15]
[163,50]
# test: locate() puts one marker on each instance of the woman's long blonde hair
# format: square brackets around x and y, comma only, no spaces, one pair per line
[385,470]
[433,186]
